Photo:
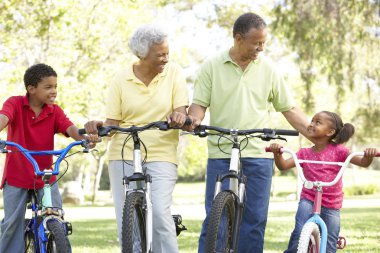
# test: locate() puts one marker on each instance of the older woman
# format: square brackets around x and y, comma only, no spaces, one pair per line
[150,89]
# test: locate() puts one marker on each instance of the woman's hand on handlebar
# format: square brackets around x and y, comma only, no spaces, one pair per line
[92,127]
[176,119]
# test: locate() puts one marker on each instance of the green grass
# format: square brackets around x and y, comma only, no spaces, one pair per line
[358,225]
[94,236]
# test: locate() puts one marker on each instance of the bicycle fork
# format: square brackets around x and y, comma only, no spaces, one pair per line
[316,218]
[237,184]
[139,177]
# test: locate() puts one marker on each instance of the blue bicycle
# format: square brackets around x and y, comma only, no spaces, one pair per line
[46,231]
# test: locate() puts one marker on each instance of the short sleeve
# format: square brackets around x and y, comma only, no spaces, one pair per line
[113,104]
[180,94]
[62,122]
[282,98]
[301,153]
[343,153]
[203,85]
[9,109]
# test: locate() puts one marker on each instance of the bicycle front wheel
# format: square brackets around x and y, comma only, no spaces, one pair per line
[310,239]
[57,238]
[221,224]
[133,226]
[29,239]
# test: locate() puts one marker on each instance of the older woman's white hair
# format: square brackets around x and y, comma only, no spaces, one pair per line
[144,37]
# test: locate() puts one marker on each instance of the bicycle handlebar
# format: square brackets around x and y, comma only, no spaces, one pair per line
[268,133]
[161,125]
[310,184]
[28,154]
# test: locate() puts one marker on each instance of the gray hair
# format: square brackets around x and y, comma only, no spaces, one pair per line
[144,37]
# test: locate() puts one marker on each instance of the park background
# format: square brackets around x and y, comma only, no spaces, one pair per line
[329,52]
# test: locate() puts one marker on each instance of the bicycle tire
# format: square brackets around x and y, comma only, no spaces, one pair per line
[221,224]
[133,226]
[309,241]
[29,239]
[58,241]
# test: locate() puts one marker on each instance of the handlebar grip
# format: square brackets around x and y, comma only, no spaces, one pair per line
[267,149]
[82,131]
[287,132]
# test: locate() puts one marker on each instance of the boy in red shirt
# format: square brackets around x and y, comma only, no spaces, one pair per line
[32,121]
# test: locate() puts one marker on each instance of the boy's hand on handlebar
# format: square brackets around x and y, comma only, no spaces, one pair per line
[91,128]
[92,140]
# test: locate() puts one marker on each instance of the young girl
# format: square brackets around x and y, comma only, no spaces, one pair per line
[328,133]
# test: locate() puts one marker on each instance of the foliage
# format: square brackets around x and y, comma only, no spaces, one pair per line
[361,190]
[338,39]
[193,159]
[84,41]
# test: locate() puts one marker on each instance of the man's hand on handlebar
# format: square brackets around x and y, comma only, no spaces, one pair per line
[194,123]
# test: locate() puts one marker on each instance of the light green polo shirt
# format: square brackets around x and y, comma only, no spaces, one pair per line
[240,99]
[134,103]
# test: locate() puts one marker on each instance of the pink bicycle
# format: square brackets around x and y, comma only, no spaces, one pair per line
[313,237]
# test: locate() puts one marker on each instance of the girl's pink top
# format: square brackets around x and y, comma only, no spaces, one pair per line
[332,195]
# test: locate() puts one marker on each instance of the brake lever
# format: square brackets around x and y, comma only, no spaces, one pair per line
[281,138]
[163,126]
[3,147]
[266,137]
[85,144]
[200,132]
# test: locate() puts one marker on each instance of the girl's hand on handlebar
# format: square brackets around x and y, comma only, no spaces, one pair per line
[370,152]
[275,148]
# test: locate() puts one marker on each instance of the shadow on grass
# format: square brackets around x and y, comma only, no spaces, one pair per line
[99,234]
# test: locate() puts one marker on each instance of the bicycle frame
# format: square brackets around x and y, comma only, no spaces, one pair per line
[46,210]
[316,218]
[235,173]
[237,182]
[139,175]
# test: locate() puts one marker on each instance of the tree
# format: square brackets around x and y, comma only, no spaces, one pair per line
[84,41]
[336,39]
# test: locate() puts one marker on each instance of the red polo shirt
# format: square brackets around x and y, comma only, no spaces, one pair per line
[33,133]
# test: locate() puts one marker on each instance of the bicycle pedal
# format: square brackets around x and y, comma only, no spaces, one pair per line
[341,243]
[179,227]
[69,228]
